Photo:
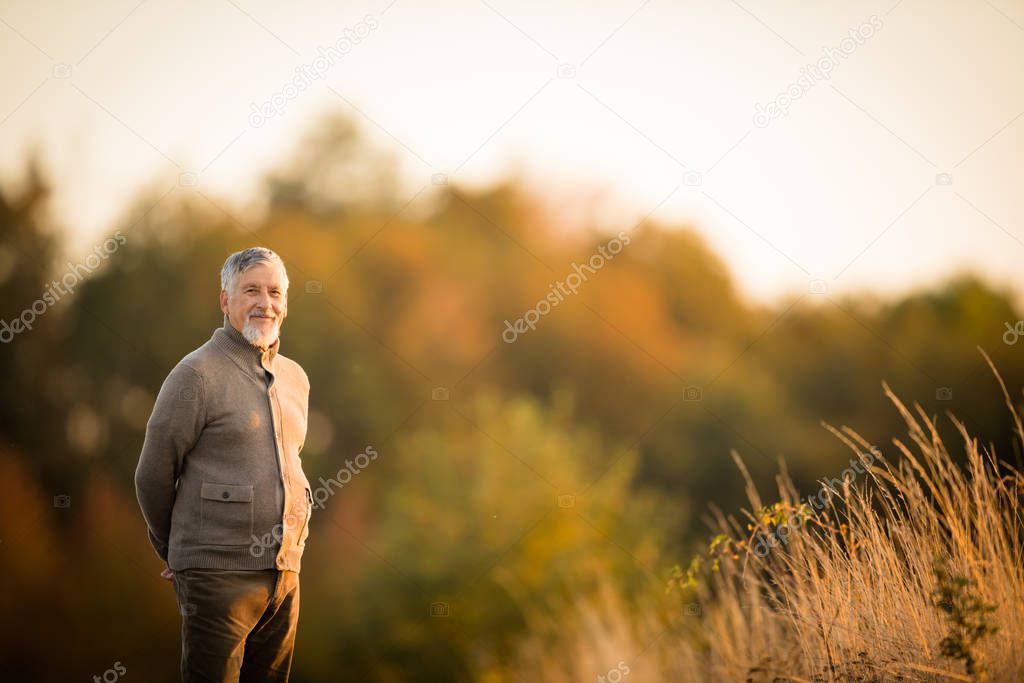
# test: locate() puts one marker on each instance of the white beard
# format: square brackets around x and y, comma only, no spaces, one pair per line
[257,337]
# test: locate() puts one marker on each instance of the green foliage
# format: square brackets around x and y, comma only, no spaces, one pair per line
[955,595]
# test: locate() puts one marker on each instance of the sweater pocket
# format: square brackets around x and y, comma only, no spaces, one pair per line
[226,514]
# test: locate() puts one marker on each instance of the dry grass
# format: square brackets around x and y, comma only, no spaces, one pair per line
[854,593]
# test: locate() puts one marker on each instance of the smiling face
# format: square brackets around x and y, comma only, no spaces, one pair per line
[257,304]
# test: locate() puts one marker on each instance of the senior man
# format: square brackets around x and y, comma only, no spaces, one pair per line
[221,485]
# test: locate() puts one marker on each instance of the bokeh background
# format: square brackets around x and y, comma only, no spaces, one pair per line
[446,166]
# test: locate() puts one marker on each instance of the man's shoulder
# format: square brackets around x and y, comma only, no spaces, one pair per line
[204,360]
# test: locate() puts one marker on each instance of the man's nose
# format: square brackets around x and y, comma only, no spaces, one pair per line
[264,300]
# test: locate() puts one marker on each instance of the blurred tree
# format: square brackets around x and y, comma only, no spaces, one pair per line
[628,395]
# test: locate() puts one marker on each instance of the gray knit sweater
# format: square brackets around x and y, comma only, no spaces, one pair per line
[219,480]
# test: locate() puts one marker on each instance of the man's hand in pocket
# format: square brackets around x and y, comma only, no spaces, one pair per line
[167,573]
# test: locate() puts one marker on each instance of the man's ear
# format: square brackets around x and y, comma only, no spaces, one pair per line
[224,301]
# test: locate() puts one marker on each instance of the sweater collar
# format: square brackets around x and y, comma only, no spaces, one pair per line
[249,357]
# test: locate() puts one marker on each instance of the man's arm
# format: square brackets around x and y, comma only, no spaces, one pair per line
[174,427]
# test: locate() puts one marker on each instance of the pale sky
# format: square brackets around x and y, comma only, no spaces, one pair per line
[650,105]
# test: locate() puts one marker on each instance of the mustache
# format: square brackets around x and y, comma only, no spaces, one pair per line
[259,313]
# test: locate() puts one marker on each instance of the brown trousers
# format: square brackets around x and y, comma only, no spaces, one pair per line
[237,625]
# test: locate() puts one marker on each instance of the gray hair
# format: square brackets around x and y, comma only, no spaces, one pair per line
[241,261]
